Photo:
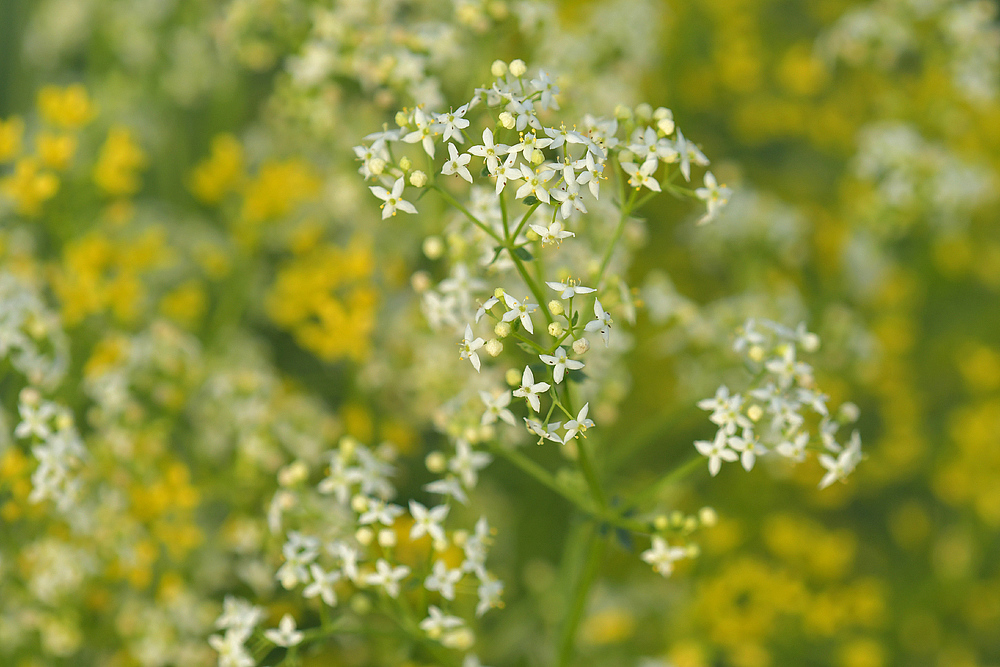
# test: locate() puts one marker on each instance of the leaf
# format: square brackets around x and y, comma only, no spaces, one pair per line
[530,200]
[575,376]
[496,253]
[485,171]
[523,254]
[625,539]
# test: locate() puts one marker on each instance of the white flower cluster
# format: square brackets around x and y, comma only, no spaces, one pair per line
[782,412]
[356,549]
[885,31]
[31,337]
[558,166]
[56,443]
[239,619]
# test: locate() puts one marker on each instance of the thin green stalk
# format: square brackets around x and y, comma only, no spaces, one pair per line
[590,474]
[591,568]
[476,221]
[541,475]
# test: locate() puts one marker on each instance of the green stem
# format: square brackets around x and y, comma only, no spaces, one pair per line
[591,568]
[476,221]
[590,474]
[541,475]
[520,225]
[672,477]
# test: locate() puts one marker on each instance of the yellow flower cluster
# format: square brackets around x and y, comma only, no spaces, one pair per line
[327,299]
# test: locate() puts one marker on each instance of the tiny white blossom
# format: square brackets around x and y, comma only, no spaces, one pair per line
[285,635]
[496,407]
[426,128]
[602,323]
[469,346]
[489,151]
[452,123]
[437,622]
[568,289]
[553,234]
[380,511]
[560,363]
[322,584]
[467,463]
[443,580]
[716,451]
[489,592]
[748,444]
[520,311]
[387,576]
[642,176]
[530,389]
[427,521]
[534,183]
[714,196]
[662,556]
[578,425]
[393,200]
[456,164]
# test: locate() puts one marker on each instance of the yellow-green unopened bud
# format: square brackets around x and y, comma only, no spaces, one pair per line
[418,179]
[622,112]
[376,165]
[661,522]
[293,473]
[359,504]
[644,112]
[756,353]
[502,329]
[518,68]
[507,120]
[498,292]
[405,164]
[581,346]
[364,536]
[493,347]
[537,157]
[755,412]
[513,377]
[387,538]
[433,247]
[556,330]
[402,119]
[708,517]
[556,307]
[498,68]
[436,462]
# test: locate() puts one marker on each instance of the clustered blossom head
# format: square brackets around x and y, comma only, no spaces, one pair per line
[782,412]
[356,549]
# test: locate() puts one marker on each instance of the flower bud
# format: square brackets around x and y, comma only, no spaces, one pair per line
[421,281]
[376,165]
[293,473]
[849,413]
[690,524]
[502,329]
[513,377]
[30,397]
[518,68]
[537,157]
[359,504]
[556,307]
[532,235]
[436,462]
[360,604]
[460,639]
[387,538]
[493,347]
[556,330]
[498,292]
[433,247]
[622,112]
[581,345]
[498,68]
[402,118]
[364,536]
[755,412]
[708,517]
[666,126]
[644,112]
[810,342]
[756,353]
[677,518]
[693,551]
[405,164]
[507,120]
[418,179]
[660,522]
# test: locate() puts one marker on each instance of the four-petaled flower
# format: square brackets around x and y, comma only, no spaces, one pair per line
[456,165]
[642,176]
[560,363]
[469,346]
[578,425]
[716,451]
[530,389]
[568,289]
[519,310]
[285,635]
[714,195]
[496,407]
[662,556]
[427,521]
[602,323]
[387,576]
[393,200]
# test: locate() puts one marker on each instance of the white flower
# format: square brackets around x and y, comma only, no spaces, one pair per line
[380,511]
[688,153]
[544,431]
[749,447]
[393,200]
[232,652]
[553,234]
[496,407]
[567,290]
[548,88]
[534,183]
[570,198]
[562,136]
[453,122]
[794,448]
[448,486]
[590,174]
[443,580]
[487,305]
[560,363]
[578,425]
[714,196]
[726,410]
[35,420]
[489,151]
[467,463]
[426,127]
[286,635]
[662,556]
[716,451]
[469,346]
[456,165]
[530,389]
[787,368]
[519,310]
[489,592]
[437,622]
[239,614]
[387,576]
[322,584]
[427,521]
[842,466]
[602,323]
[642,176]
[507,172]
[529,143]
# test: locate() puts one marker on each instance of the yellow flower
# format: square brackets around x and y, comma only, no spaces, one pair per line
[29,186]
[11,132]
[221,173]
[56,150]
[121,158]
[68,108]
